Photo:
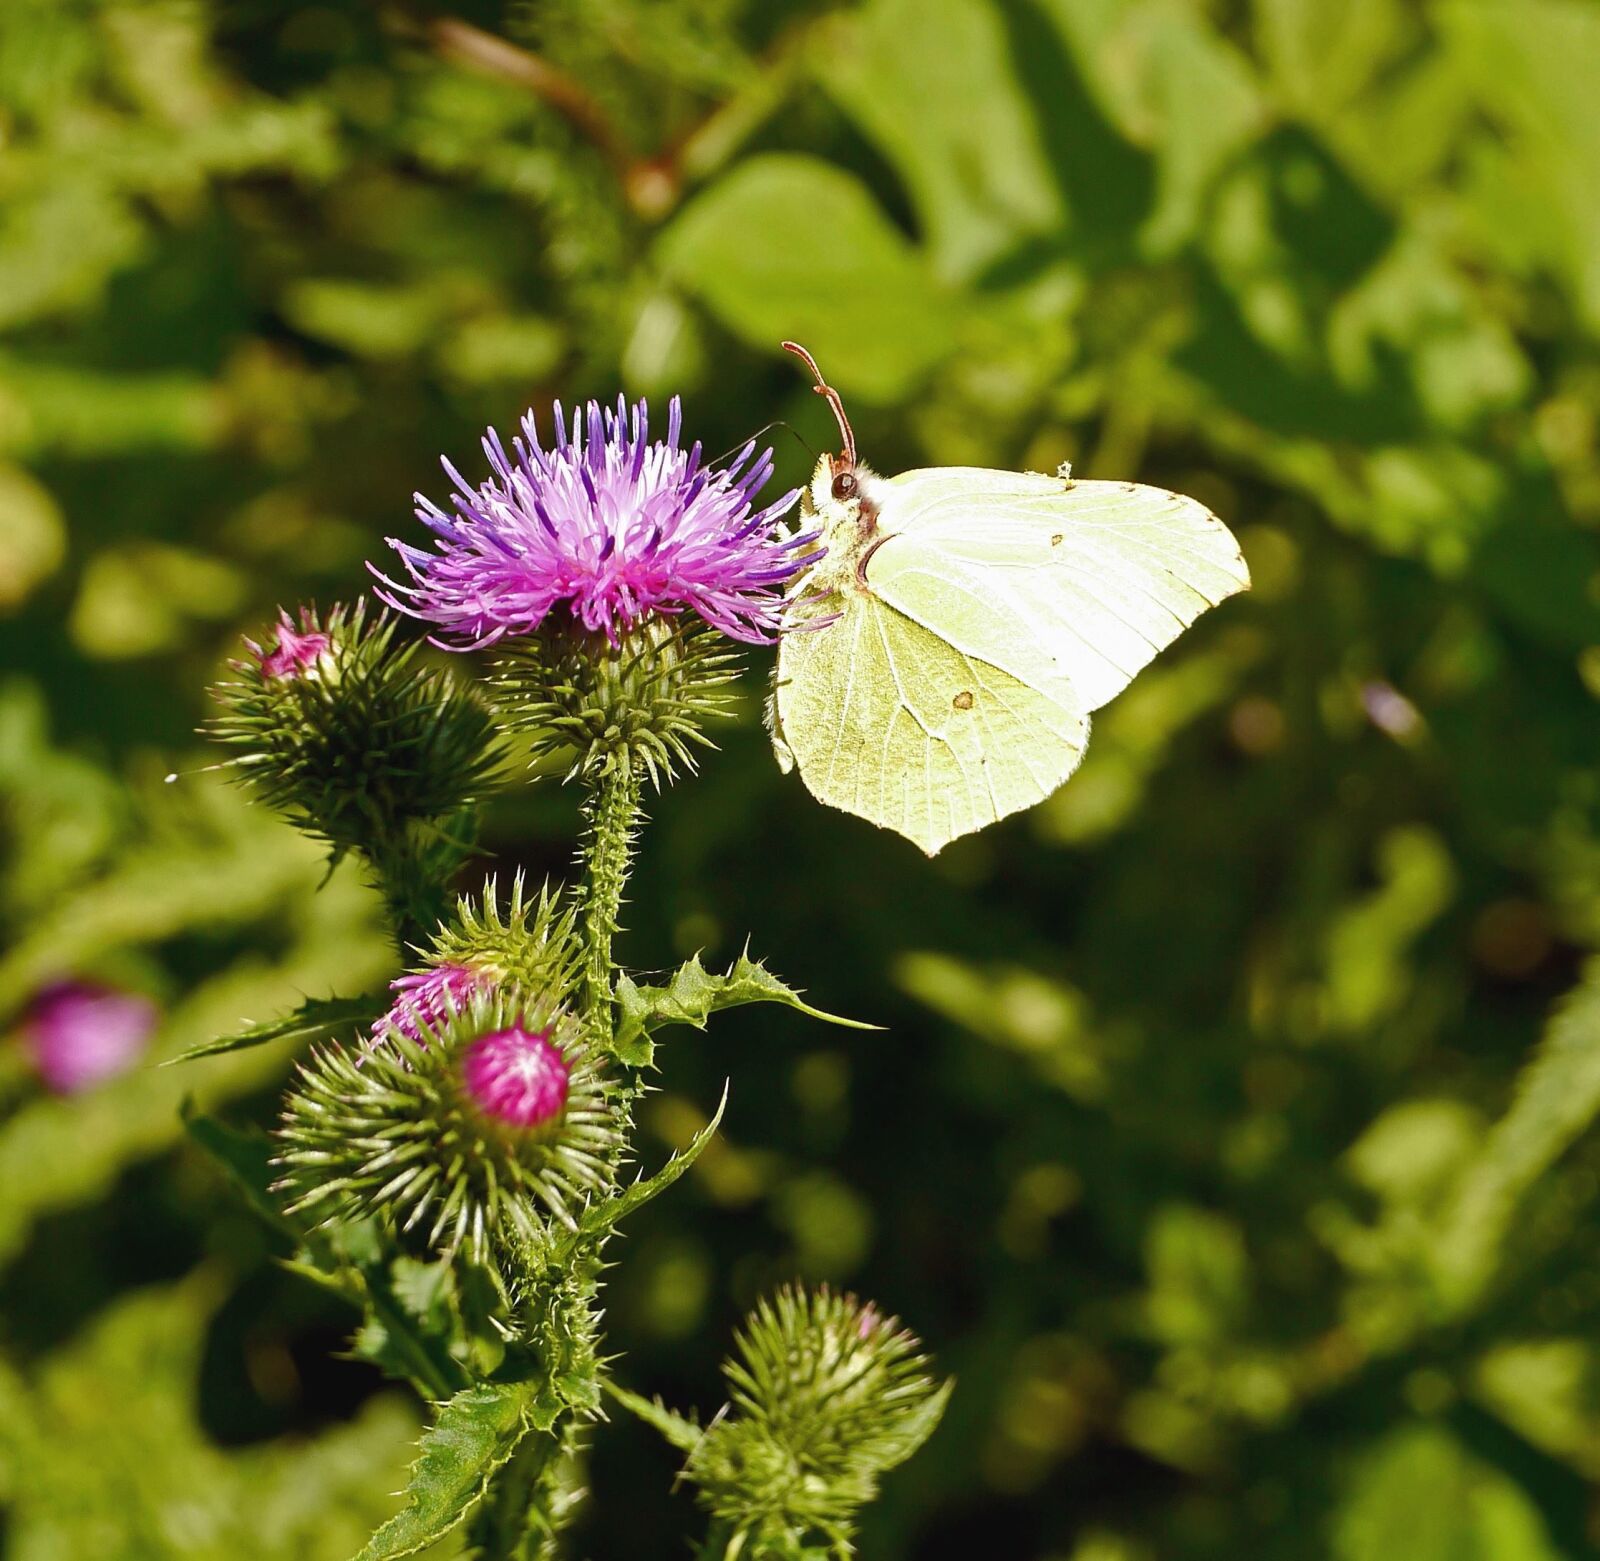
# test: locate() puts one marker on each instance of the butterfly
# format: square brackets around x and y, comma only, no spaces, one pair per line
[946,644]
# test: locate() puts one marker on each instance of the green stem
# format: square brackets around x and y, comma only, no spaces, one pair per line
[613,817]
[512,1523]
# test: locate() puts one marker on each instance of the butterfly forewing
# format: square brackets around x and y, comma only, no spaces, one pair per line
[1042,575]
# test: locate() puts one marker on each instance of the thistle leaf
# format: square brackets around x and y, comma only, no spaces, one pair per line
[693,995]
[247,1159]
[473,1435]
[318,1016]
[679,1430]
[602,1216]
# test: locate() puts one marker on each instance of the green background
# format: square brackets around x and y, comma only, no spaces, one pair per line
[1226,1135]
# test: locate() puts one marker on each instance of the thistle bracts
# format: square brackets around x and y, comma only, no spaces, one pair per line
[531,945]
[587,706]
[827,1394]
[340,729]
[403,1133]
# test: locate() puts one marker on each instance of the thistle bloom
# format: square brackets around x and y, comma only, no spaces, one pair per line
[608,524]
[296,651]
[425,998]
[517,1077]
[79,1034]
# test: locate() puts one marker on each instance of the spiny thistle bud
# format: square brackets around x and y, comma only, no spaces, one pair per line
[345,734]
[827,1394]
[487,1128]
[530,945]
[641,702]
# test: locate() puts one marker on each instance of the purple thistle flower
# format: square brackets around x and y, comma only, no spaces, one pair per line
[79,1034]
[607,523]
[516,1076]
[426,998]
[296,652]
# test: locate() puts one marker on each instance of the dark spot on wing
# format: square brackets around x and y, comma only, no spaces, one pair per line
[963,700]
[1055,541]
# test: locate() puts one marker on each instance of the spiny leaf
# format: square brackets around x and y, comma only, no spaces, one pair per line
[682,1432]
[315,1017]
[602,1216]
[693,995]
[474,1434]
[247,1158]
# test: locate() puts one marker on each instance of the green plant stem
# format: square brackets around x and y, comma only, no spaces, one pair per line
[613,818]
[511,1523]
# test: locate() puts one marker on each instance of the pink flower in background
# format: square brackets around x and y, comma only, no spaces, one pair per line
[425,998]
[79,1034]
[608,524]
[517,1076]
[296,651]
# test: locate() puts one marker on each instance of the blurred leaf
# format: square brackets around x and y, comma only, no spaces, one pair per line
[139,600]
[1533,62]
[1419,1495]
[1548,1390]
[1368,942]
[145,1480]
[1047,1021]
[787,247]
[33,539]
[1198,1275]
[1202,107]
[1321,57]
[1557,1098]
[934,84]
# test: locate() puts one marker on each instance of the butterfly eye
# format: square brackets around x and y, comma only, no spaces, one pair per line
[845,485]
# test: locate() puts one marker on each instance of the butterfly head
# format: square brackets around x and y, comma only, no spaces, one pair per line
[842,489]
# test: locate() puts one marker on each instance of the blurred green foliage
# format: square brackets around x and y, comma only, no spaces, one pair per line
[1228,1139]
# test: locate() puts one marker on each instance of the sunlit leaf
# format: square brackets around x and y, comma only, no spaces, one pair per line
[830,270]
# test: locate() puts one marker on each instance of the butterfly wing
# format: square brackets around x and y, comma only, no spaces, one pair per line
[887,719]
[1049,576]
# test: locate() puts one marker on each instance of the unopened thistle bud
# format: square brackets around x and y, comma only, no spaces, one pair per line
[641,703]
[489,1127]
[827,1395]
[342,730]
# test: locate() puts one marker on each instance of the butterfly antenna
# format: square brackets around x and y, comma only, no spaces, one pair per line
[823,388]
[766,428]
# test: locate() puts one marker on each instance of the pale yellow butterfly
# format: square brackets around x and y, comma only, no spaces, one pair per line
[944,651]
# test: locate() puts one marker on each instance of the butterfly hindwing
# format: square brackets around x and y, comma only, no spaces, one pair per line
[889,721]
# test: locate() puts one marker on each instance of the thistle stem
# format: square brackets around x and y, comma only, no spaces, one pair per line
[613,818]
[513,1522]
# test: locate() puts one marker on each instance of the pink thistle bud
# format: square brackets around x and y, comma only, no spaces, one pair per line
[516,1076]
[296,651]
[79,1034]
[426,998]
